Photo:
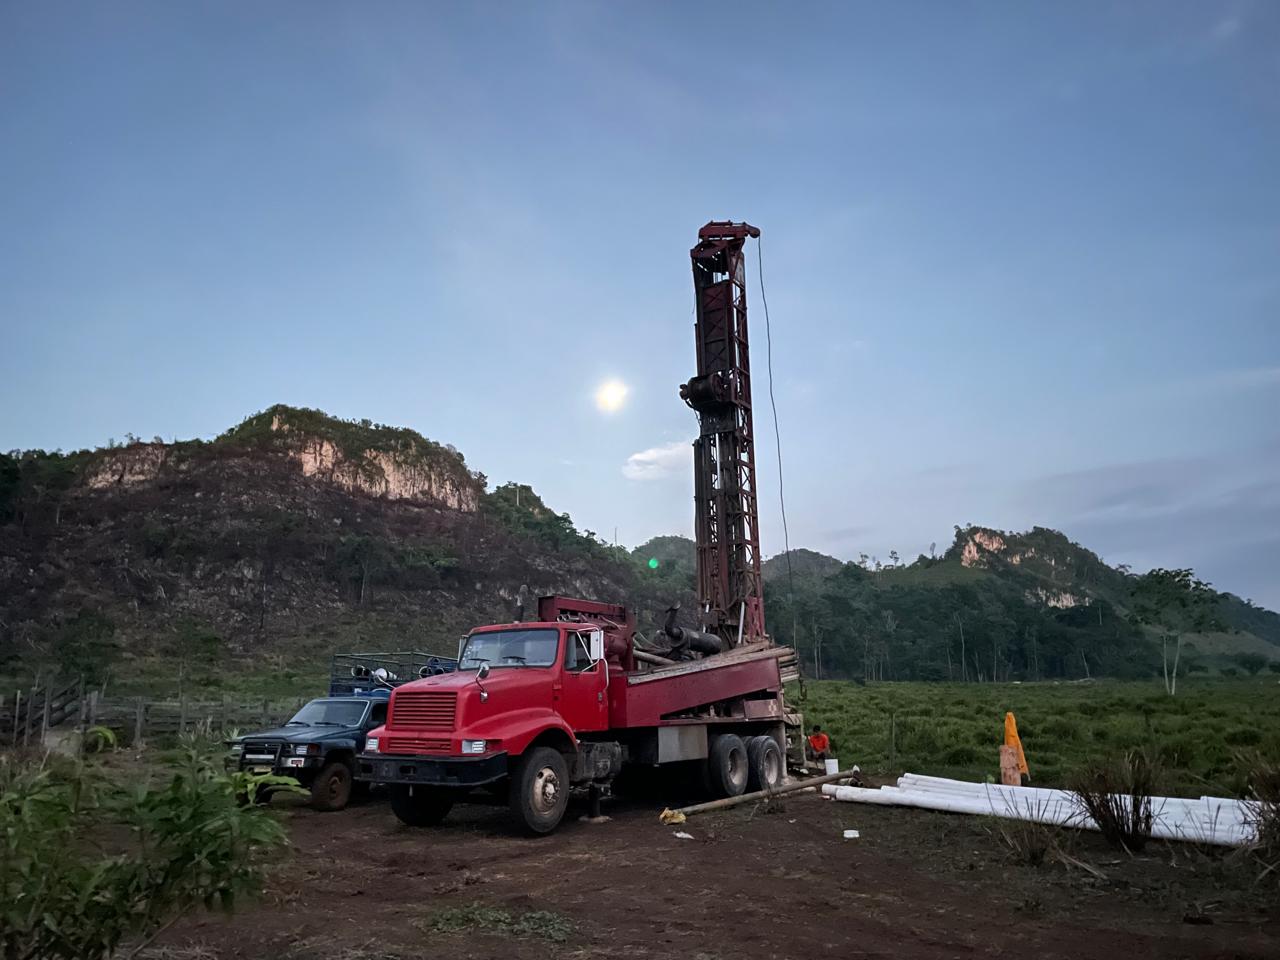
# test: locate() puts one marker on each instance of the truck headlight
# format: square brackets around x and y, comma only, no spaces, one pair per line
[306,748]
[236,748]
[473,746]
[371,745]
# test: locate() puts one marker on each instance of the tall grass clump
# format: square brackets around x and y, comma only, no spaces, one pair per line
[1116,793]
[1263,804]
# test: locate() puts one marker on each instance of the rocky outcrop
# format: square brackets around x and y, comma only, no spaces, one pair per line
[980,542]
[407,468]
[1059,599]
[129,466]
[381,474]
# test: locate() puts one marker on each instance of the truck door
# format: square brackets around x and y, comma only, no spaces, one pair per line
[579,692]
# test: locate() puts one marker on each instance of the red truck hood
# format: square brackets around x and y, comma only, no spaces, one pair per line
[502,678]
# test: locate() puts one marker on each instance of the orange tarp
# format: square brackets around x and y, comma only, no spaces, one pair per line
[1011,739]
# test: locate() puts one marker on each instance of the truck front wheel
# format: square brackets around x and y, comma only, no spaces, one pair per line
[423,807]
[540,789]
[331,789]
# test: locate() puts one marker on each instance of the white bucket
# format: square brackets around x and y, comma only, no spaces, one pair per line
[833,766]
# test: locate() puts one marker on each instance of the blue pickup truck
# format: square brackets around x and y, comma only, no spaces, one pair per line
[319,744]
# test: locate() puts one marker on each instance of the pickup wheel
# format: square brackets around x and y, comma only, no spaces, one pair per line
[764,764]
[423,807]
[331,789]
[727,765]
[540,790]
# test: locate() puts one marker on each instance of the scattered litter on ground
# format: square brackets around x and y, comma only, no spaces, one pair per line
[669,816]
[681,835]
[851,834]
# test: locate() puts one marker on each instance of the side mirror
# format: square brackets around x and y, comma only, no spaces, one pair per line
[595,645]
[482,671]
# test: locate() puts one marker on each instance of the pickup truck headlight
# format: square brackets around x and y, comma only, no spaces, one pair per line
[371,745]
[306,748]
[236,748]
[473,746]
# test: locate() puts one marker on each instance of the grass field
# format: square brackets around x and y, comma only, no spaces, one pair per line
[955,730]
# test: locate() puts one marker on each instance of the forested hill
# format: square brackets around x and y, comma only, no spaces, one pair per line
[294,535]
[289,537]
[1011,606]
[1007,606]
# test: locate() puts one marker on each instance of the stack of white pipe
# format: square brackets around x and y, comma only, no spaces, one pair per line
[1212,820]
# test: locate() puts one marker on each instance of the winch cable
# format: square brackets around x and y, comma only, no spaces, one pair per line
[777,441]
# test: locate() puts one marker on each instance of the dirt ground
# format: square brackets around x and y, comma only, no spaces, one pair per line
[775,881]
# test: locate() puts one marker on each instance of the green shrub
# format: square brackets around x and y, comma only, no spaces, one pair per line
[1243,737]
[90,861]
[963,756]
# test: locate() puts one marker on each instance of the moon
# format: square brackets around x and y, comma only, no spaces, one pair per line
[611,395]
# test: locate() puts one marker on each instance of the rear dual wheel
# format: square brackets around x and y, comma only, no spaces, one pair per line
[765,766]
[727,765]
[735,766]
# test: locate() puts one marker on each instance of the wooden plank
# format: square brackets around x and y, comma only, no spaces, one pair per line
[708,663]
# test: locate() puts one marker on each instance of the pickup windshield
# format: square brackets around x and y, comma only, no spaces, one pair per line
[325,713]
[510,648]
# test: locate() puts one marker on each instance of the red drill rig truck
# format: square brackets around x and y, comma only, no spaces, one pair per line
[537,709]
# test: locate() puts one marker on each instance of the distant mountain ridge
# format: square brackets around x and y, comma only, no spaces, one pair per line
[294,534]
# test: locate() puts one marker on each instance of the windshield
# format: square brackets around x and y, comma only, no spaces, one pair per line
[330,713]
[510,648]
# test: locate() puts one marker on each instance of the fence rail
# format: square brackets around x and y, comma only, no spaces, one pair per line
[137,719]
[28,716]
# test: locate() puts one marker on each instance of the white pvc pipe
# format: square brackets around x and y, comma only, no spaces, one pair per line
[1215,820]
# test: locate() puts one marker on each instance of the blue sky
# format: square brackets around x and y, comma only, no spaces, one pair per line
[1021,259]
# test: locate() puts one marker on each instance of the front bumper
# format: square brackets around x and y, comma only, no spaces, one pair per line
[435,771]
[301,768]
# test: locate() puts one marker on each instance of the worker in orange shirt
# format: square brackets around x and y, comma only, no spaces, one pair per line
[819,745]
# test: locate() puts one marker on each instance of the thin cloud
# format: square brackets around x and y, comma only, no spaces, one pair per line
[1225,29]
[659,462]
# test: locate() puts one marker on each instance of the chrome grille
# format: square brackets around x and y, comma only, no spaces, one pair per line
[424,709]
[414,745]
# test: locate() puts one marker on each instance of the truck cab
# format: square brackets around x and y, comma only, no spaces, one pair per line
[523,694]
[317,747]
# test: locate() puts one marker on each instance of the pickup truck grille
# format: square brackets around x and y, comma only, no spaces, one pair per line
[260,752]
[414,745]
[429,709]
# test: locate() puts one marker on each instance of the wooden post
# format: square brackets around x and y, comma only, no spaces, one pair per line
[765,794]
[26,731]
[1010,775]
[93,707]
[139,721]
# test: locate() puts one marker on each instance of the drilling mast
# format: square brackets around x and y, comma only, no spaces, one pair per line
[730,591]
